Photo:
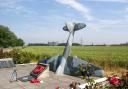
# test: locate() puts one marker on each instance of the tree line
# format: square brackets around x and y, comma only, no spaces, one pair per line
[8,38]
[47,44]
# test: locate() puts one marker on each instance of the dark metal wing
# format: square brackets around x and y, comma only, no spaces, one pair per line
[79,26]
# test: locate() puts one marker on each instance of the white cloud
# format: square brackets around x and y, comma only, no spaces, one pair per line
[125,13]
[104,32]
[109,25]
[126,10]
[15,7]
[78,6]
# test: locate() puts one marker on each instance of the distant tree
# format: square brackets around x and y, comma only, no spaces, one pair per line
[7,38]
[20,42]
[76,44]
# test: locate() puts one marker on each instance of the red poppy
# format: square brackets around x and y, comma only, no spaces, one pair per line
[114,80]
[38,69]
[34,80]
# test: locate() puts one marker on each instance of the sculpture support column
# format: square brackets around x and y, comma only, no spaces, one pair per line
[67,49]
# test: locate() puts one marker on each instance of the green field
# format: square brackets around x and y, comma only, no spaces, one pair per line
[105,56]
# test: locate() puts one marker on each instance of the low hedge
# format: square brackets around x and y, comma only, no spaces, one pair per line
[21,57]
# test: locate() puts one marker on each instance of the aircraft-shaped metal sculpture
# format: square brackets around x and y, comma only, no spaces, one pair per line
[71,28]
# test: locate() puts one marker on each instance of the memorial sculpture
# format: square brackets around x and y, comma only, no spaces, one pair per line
[66,64]
[71,28]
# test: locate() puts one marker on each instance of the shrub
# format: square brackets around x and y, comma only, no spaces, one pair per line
[21,57]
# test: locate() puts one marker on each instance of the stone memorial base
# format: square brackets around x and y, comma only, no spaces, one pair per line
[6,63]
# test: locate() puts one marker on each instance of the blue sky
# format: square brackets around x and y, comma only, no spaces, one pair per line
[42,20]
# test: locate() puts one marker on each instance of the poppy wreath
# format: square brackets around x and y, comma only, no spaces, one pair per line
[38,69]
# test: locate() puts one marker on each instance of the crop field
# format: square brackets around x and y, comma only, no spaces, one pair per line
[108,57]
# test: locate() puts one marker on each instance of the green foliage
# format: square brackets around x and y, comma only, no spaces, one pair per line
[8,38]
[89,80]
[20,57]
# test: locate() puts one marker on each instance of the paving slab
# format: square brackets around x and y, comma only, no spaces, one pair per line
[23,70]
